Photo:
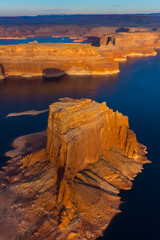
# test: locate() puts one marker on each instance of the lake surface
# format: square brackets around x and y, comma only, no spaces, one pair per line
[135,92]
[39,40]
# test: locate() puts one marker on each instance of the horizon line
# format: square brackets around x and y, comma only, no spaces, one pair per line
[83,14]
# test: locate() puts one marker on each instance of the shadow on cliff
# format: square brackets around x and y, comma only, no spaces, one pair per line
[95,41]
[50,74]
[2,70]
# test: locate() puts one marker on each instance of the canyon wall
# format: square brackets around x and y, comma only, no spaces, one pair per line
[55,60]
[69,189]
[122,45]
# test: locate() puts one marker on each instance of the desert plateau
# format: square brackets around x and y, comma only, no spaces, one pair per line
[79,118]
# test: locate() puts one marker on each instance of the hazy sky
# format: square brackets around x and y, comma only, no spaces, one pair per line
[34,7]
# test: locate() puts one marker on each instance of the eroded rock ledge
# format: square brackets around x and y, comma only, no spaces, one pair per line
[69,189]
[100,57]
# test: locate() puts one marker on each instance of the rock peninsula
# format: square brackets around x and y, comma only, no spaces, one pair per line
[99,57]
[68,187]
[49,60]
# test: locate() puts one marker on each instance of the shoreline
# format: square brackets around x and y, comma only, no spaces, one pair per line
[13,38]
[30,158]
[68,74]
[84,72]
[54,60]
[16,162]
[22,145]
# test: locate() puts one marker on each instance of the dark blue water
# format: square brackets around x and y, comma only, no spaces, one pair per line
[136,93]
[39,40]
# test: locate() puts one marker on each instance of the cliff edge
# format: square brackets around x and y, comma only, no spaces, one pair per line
[100,57]
[69,189]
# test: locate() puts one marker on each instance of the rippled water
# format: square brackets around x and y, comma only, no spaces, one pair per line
[136,93]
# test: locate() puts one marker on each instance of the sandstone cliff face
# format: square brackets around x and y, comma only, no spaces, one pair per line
[73,59]
[55,60]
[122,45]
[70,189]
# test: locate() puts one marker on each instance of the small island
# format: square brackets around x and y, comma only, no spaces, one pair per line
[65,184]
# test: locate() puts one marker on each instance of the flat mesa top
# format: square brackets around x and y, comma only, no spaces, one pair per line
[69,113]
[72,106]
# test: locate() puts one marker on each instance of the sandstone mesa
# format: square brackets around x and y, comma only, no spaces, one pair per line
[68,188]
[100,57]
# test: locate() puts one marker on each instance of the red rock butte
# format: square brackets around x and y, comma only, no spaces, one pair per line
[69,189]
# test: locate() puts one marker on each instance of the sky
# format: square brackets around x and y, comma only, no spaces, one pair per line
[37,7]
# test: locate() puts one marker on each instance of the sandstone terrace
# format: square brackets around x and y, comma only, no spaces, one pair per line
[96,58]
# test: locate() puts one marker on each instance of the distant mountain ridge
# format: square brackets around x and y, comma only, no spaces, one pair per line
[125,20]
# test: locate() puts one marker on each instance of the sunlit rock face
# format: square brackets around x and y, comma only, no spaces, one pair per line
[84,130]
[70,189]
[55,60]
[82,136]
[101,56]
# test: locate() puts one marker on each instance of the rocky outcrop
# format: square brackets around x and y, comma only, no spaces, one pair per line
[99,57]
[69,190]
[53,60]
[122,45]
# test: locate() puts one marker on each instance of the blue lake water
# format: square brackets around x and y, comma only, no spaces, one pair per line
[39,40]
[135,92]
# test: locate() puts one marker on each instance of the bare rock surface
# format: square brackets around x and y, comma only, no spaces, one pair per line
[54,60]
[69,189]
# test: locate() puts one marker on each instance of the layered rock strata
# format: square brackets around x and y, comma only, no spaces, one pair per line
[122,45]
[56,60]
[69,190]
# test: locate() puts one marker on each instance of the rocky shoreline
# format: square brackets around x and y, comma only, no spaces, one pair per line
[99,57]
[66,187]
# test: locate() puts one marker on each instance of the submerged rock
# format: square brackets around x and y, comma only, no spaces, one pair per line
[69,190]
